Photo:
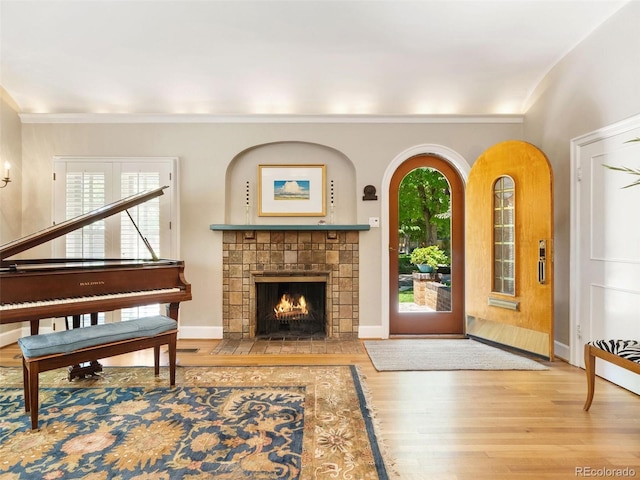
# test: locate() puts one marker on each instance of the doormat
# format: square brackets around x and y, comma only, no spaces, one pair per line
[444,354]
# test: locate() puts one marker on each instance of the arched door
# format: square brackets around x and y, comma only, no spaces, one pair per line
[510,248]
[426,206]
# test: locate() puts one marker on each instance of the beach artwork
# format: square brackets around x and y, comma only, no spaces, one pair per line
[291,190]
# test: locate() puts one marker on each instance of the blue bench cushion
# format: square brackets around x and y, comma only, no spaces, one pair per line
[628,349]
[70,340]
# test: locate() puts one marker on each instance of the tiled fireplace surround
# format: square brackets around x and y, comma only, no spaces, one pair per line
[248,255]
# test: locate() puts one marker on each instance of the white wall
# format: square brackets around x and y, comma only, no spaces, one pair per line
[10,151]
[10,196]
[207,149]
[244,168]
[596,84]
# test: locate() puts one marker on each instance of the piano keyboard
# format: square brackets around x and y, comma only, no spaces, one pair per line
[93,298]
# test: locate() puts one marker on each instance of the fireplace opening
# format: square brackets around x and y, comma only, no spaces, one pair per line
[290,309]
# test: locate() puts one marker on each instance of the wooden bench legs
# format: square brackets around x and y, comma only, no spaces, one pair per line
[590,367]
[172,360]
[590,354]
[32,367]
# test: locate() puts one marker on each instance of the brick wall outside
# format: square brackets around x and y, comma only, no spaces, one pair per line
[247,254]
[430,293]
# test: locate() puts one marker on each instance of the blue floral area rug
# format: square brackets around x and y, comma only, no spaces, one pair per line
[276,422]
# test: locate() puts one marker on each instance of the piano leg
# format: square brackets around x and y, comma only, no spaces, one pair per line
[87,368]
[35,327]
[172,310]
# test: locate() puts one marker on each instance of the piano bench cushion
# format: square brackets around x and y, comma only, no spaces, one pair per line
[71,340]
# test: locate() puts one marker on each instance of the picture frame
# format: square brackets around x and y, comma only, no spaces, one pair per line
[292,190]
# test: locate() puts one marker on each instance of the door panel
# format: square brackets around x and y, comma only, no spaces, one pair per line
[606,254]
[524,319]
[421,321]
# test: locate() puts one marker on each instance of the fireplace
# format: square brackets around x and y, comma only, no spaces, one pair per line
[291,307]
[253,258]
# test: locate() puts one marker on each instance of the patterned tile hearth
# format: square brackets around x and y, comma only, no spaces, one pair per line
[279,345]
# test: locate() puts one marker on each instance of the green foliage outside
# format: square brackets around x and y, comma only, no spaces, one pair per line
[404,264]
[424,203]
[406,296]
[424,218]
[431,255]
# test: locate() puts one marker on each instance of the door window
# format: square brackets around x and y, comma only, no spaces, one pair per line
[504,260]
[424,217]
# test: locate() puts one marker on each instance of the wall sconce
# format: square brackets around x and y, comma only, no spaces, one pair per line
[7,174]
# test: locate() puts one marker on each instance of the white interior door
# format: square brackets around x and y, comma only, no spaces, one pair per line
[605,249]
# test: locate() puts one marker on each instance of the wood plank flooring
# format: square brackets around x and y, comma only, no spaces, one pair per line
[471,425]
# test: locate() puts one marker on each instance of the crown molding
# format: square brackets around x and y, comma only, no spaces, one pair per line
[125,118]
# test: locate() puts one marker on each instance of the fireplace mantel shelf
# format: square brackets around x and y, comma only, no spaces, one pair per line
[323,227]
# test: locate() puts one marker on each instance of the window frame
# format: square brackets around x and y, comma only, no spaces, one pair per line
[113,169]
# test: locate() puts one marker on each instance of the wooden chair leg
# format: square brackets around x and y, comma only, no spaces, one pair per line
[156,360]
[25,383]
[33,395]
[590,367]
[172,359]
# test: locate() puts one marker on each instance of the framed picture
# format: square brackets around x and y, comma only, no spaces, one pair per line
[291,191]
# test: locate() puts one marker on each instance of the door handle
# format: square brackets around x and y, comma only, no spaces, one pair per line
[542,262]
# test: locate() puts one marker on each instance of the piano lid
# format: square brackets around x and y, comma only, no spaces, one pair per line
[55,231]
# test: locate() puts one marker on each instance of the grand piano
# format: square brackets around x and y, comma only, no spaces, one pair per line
[34,289]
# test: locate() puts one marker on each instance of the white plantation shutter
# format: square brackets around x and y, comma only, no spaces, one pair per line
[146,216]
[85,191]
[85,184]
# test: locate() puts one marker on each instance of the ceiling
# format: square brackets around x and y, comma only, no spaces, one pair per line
[298,57]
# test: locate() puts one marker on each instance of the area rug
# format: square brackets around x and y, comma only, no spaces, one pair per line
[444,354]
[279,422]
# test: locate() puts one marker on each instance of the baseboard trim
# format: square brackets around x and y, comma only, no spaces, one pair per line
[365,331]
[562,351]
[203,333]
[12,336]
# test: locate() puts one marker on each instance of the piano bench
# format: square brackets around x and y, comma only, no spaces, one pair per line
[49,351]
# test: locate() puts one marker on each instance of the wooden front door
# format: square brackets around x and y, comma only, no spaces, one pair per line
[444,312]
[509,269]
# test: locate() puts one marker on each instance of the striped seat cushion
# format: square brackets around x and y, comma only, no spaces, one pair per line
[627,349]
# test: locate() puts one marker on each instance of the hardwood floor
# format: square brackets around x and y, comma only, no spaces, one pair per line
[472,425]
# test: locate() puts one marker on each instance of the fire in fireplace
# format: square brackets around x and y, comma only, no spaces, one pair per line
[290,309]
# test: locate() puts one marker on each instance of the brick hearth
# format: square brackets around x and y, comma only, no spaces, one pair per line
[250,254]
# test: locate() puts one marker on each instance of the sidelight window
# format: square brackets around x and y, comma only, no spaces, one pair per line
[504,236]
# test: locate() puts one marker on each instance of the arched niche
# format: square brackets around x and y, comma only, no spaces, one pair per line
[244,168]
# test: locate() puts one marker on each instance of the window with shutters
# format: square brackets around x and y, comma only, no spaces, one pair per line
[84,184]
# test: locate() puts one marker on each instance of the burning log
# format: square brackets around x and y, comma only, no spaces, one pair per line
[290,309]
